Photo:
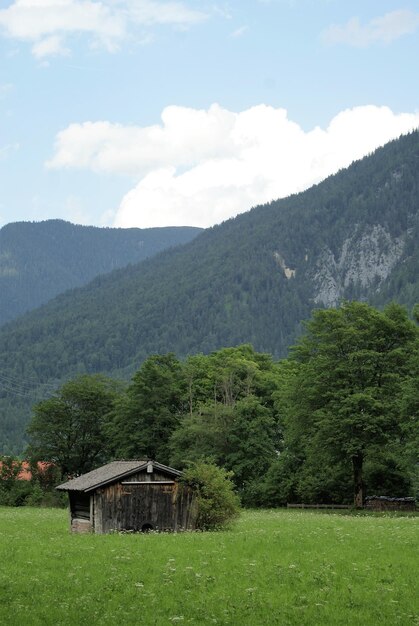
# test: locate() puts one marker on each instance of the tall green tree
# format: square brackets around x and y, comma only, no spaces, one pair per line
[251,447]
[149,411]
[230,415]
[344,399]
[410,424]
[69,428]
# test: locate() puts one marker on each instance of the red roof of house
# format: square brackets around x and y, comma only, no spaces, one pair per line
[25,473]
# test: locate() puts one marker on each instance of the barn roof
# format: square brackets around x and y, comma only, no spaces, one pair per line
[112,472]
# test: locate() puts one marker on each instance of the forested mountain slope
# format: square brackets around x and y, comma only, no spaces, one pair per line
[39,260]
[251,279]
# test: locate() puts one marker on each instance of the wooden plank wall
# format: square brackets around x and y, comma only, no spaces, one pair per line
[131,507]
[148,476]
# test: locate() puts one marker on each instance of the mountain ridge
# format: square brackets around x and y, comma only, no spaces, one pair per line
[38,260]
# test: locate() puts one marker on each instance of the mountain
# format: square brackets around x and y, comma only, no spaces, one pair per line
[39,260]
[251,279]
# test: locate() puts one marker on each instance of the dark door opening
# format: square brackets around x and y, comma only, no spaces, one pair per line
[145,528]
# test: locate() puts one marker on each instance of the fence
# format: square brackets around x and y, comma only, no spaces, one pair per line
[318,506]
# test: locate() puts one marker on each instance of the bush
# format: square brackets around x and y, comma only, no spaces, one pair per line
[16,494]
[46,498]
[217,503]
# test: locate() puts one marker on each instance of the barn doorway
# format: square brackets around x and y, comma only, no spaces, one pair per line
[146,528]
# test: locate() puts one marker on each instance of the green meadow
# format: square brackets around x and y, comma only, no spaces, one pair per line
[272,567]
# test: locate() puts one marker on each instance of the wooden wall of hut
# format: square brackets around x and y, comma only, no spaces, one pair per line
[139,504]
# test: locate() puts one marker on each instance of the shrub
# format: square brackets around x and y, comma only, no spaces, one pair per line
[16,494]
[217,502]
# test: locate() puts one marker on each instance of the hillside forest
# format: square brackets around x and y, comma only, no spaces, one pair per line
[39,260]
[252,279]
[332,423]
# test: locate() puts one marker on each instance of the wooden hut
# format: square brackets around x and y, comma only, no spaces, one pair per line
[130,496]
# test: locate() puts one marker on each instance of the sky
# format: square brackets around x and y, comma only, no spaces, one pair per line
[187,112]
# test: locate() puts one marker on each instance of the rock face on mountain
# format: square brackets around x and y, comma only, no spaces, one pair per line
[362,264]
[252,279]
[39,260]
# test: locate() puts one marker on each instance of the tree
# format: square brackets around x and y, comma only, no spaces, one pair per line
[202,435]
[68,429]
[410,414]
[230,415]
[344,396]
[149,411]
[241,438]
[252,444]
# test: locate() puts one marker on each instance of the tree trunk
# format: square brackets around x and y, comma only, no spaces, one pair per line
[357,462]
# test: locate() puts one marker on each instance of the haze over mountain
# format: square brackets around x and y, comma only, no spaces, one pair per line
[251,279]
[39,260]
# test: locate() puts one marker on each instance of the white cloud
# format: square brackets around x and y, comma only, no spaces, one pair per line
[201,167]
[384,29]
[239,32]
[48,46]
[185,137]
[48,23]
[33,19]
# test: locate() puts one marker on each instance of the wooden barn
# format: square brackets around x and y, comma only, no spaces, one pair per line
[130,496]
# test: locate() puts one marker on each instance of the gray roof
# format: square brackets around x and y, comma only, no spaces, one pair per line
[110,473]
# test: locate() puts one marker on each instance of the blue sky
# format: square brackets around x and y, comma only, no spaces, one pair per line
[153,113]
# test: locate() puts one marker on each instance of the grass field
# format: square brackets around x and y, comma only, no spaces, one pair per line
[274,567]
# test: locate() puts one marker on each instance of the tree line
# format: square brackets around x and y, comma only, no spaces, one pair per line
[333,422]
